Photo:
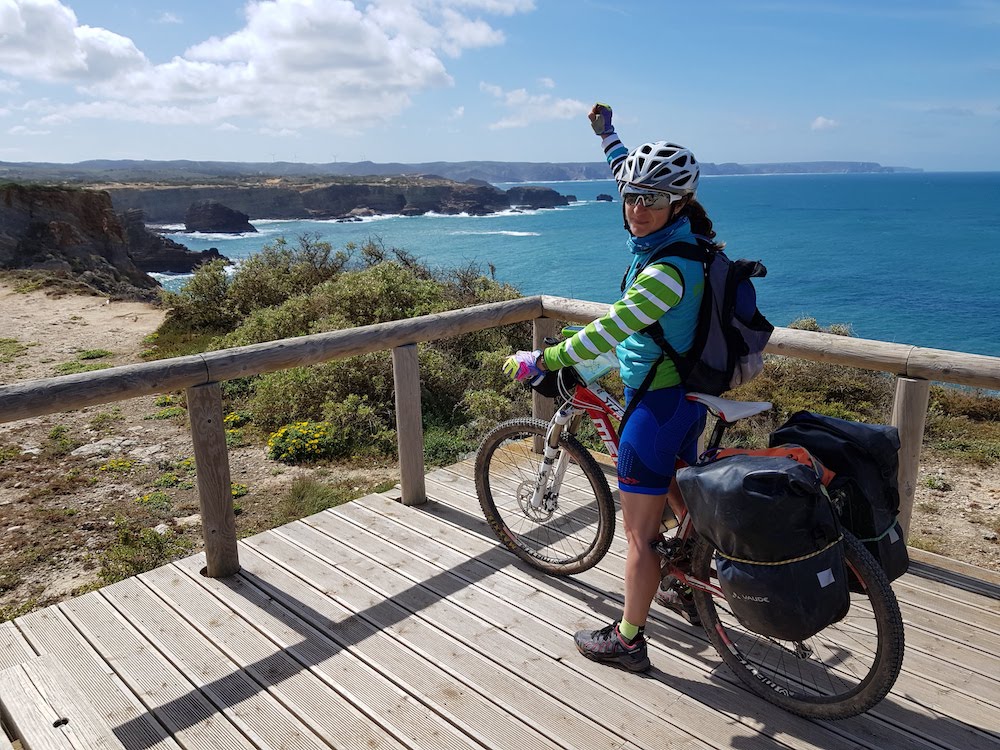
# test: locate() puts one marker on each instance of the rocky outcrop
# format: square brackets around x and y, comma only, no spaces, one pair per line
[604,197]
[405,195]
[71,233]
[212,216]
[74,233]
[155,254]
[535,197]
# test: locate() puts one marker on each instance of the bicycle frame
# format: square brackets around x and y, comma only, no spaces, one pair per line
[595,401]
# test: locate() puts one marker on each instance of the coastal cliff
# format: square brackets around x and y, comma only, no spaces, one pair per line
[76,234]
[343,199]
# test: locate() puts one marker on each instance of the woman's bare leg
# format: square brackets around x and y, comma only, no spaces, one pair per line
[641,515]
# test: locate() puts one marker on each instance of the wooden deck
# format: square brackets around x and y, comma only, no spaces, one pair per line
[375,625]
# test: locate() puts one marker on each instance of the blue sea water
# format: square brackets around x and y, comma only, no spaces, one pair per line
[911,258]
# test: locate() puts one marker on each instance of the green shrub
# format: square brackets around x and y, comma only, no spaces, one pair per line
[10,348]
[137,550]
[280,271]
[202,304]
[117,466]
[304,441]
[94,354]
[308,496]
[444,446]
[350,428]
[170,412]
[300,393]
[59,442]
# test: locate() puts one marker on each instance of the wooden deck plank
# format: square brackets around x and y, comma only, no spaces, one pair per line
[301,662]
[236,690]
[14,649]
[52,713]
[436,598]
[695,692]
[924,699]
[463,670]
[327,640]
[933,688]
[49,631]
[187,715]
[379,625]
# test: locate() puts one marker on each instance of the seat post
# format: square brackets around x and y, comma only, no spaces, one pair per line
[717,432]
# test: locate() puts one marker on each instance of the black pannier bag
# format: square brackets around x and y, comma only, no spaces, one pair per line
[780,554]
[865,458]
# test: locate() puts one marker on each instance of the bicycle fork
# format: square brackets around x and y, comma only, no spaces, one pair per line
[554,461]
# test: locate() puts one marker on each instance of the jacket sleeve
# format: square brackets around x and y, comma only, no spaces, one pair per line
[615,152]
[658,288]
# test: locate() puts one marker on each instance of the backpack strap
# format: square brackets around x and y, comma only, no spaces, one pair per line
[654,330]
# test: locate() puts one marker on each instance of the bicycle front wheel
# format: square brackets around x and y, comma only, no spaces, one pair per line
[842,671]
[572,528]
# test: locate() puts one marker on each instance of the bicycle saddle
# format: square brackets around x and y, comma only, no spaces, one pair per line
[728,410]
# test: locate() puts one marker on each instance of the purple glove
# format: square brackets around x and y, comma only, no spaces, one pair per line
[521,367]
[600,119]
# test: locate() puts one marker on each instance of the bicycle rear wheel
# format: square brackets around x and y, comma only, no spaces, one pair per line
[573,528]
[842,671]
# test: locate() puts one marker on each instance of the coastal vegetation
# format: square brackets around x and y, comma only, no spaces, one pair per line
[343,409]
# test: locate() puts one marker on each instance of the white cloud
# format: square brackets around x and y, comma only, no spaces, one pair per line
[546,83]
[824,123]
[339,64]
[22,130]
[457,114]
[42,41]
[168,17]
[524,109]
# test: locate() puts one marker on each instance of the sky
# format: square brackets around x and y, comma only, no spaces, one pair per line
[911,83]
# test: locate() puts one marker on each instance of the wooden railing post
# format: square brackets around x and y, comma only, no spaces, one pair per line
[909,414]
[409,424]
[541,407]
[215,492]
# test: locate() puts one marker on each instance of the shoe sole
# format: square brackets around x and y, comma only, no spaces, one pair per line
[617,661]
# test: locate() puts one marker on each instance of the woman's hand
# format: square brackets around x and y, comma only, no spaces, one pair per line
[523,366]
[600,119]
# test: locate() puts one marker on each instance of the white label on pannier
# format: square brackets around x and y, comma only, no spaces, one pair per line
[893,536]
[825,578]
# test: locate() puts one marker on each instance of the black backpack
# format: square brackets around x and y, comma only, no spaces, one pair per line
[728,347]
[865,458]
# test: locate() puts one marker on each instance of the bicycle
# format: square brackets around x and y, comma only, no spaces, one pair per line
[547,499]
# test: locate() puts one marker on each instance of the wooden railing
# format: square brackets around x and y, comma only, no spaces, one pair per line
[200,376]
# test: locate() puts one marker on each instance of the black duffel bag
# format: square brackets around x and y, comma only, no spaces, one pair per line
[780,555]
[865,458]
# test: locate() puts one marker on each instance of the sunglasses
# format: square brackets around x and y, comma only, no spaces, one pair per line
[651,200]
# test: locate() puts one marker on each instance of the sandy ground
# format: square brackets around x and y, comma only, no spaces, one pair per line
[69,482]
[65,478]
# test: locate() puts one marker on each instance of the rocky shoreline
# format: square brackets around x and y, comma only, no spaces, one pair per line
[100,235]
[277,199]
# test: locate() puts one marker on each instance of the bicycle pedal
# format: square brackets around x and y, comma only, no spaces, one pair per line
[667,548]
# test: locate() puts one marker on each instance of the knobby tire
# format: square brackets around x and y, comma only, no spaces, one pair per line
[842,671]
[575,531]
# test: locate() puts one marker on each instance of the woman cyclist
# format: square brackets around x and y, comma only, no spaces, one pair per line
[657,182]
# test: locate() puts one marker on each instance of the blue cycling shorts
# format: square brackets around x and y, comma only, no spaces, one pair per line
[663,427]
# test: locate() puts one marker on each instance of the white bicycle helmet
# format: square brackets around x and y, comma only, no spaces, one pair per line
[661,166]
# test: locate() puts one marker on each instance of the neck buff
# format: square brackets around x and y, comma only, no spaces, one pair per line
[669,233]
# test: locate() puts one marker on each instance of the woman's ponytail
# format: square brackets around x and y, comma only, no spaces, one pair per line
[700,223]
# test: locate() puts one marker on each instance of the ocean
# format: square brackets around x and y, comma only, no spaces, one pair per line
[911,258]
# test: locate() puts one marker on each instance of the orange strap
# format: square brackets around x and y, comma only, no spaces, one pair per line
[794,452]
